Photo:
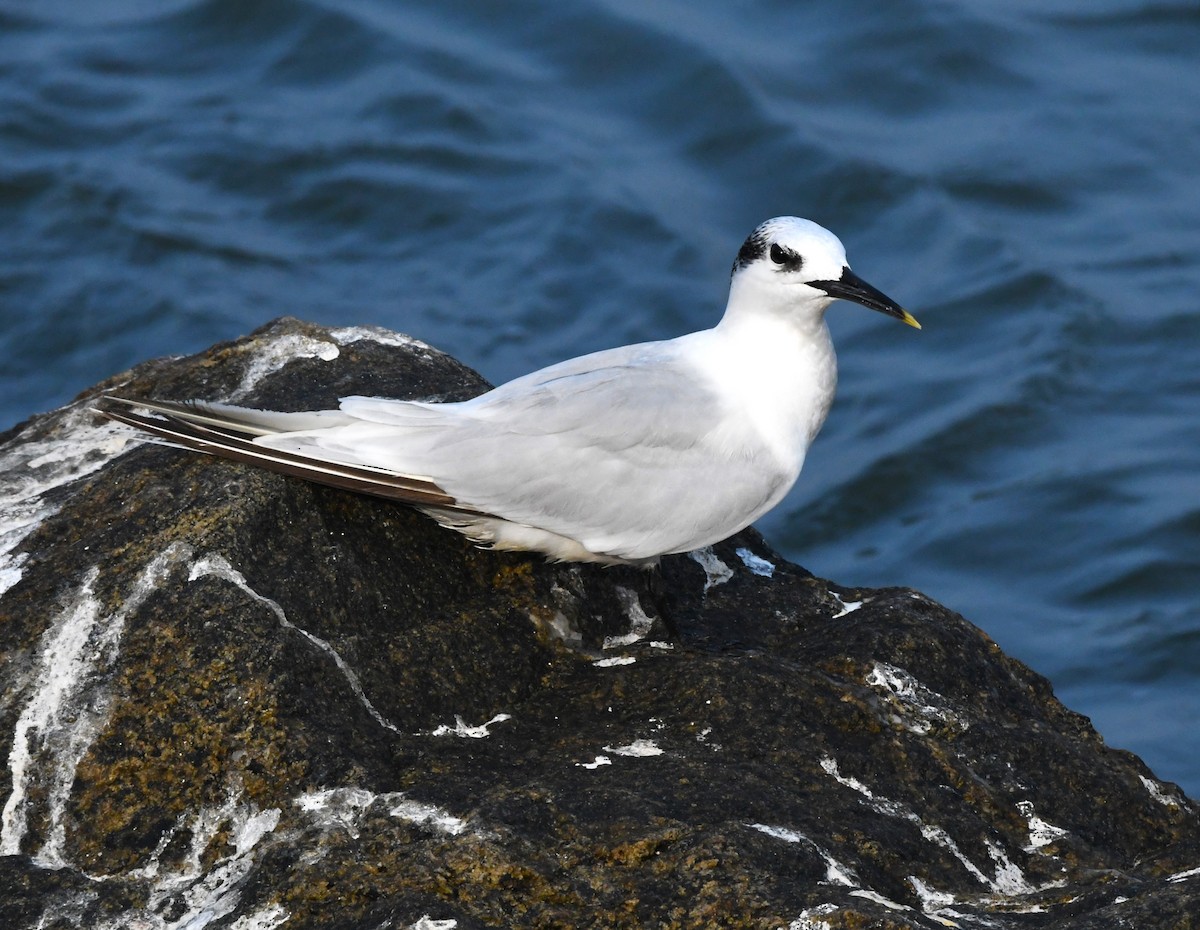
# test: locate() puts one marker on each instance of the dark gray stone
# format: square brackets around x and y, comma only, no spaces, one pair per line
[229,699]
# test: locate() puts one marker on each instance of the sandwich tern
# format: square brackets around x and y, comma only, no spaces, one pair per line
[617,457]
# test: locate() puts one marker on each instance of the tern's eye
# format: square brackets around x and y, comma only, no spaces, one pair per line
[785,257]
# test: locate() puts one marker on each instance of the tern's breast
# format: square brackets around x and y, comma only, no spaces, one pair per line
[775,384]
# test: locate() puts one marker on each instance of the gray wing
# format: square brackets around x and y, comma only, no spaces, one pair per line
[629,452]
[626,451]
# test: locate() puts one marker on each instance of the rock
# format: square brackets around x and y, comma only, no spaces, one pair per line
[237,700]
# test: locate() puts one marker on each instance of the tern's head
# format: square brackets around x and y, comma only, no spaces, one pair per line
[795,264]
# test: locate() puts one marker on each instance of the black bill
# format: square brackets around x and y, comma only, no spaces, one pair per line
[851,287]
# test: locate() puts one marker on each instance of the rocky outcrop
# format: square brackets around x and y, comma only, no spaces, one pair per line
[234,700]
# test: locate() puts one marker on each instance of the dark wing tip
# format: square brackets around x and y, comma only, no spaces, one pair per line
[229,442]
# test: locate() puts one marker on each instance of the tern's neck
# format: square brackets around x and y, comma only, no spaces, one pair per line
[770,323]
[781,364]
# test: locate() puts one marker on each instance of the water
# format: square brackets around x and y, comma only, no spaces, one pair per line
[519,185]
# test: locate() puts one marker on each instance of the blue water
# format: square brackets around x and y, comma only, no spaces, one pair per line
[518,185]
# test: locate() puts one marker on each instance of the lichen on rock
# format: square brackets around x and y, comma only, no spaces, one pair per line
[233,699]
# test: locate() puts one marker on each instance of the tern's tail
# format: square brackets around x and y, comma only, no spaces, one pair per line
[229,433]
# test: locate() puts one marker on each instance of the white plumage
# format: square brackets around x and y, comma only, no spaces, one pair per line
[616,457]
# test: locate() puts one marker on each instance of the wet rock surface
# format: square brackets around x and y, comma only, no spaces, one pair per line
[234,700]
